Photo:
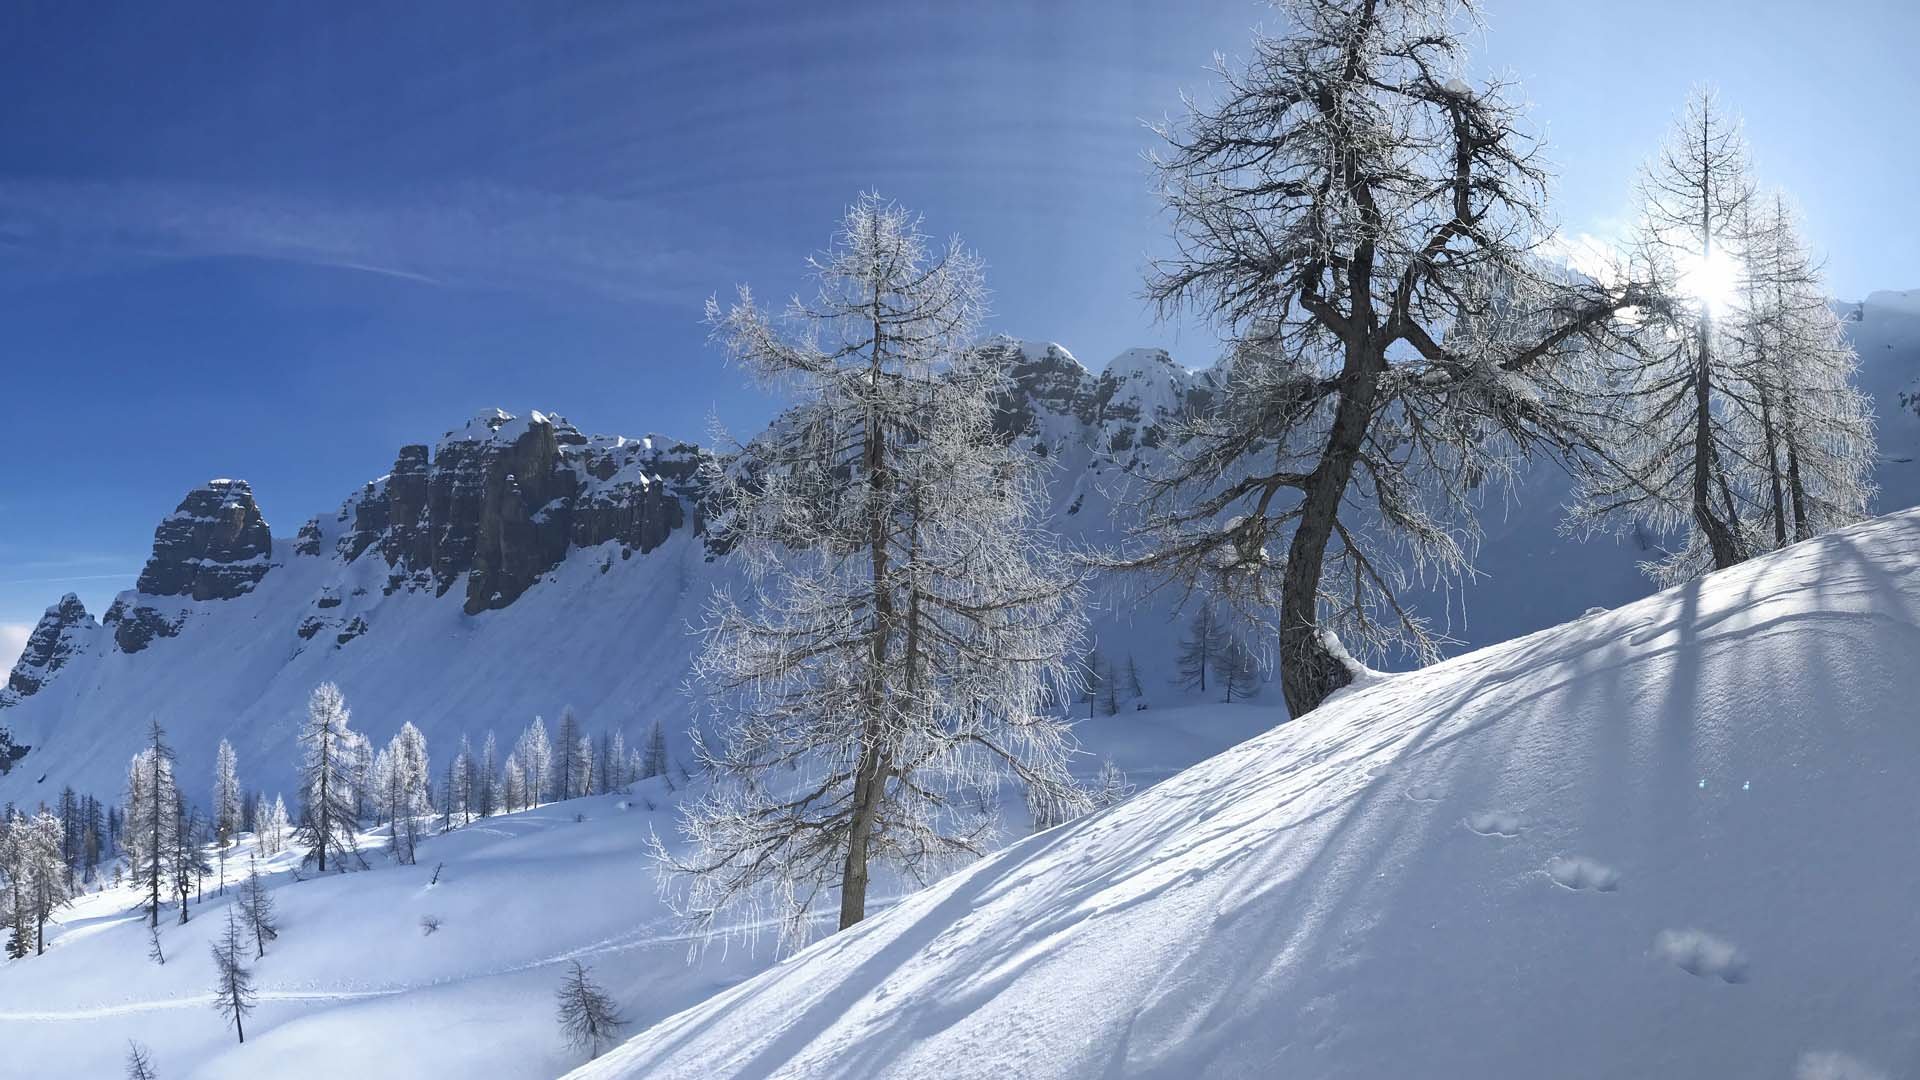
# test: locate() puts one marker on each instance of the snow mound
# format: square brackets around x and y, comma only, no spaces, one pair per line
[1689,852]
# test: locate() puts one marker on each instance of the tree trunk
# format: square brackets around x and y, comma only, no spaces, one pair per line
[1309,670]
[870,782]
[1720,538]
[1773,469]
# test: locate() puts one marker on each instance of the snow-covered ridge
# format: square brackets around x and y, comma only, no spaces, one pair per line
[1669,839]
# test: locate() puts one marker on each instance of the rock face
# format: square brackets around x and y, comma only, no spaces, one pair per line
[63,631]
[1132,405]
[503,499]
[215,546]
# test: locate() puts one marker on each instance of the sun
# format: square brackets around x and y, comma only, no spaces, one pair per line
[1713,281]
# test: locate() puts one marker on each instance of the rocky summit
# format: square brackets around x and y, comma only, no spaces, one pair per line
[505,498]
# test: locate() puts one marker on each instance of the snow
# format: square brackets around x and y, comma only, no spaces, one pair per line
[354,986]
[1670,839]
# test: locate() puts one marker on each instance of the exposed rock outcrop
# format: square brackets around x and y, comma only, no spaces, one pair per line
[215,546]
[136,625]
[63,631]
[503,499]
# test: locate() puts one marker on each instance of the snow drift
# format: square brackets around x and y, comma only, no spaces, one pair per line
[1671,839]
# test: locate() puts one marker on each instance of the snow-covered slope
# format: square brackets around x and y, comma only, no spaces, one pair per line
[355,986]
[1671,839]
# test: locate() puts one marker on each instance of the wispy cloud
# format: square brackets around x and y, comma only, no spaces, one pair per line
[13,639]
[473,236]
[125,575]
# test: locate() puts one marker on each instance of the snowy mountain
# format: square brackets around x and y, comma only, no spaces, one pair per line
[1655,841]
[518,565]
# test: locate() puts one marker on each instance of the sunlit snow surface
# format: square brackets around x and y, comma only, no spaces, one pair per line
[1671,839]
[356,988]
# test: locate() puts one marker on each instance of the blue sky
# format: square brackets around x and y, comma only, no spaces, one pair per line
[277,241]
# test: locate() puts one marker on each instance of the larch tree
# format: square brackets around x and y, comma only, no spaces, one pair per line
[1236,669]
[226,794]
[1199,648]
[49,885]
[588,1016]
[233,992]
[274,827]
[256,911]
[908,617]
[566,755]
[1130,680]
[328,821]
[1675,454]
[151,844]
[617,776]
[653,760]
[513,785]
[403,795]
[1363,224]
[487,778]
[139,1062]
[1808,428]
[535,752]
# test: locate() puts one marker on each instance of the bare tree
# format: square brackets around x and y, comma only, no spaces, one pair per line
[1198,650]
[256,910]
[139,1062]
[908,615]
[588,1016]
[233,993]
[1363,224]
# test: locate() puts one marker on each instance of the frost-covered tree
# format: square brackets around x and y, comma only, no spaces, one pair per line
[1199,648]
[653,760]
[256,911]
[272,834]
[360,773]
[226,794]
[1807,429]
[616,769]
[907,616]
[1736,404]
[233,993]
[327,823]
[583,765]
[151,842]
[48,884]
[1112,786]
[403,795]
[536,757]
[460,784]
[514,785]
[588,1016]
[486,801]
[1674,452]
[1361,222]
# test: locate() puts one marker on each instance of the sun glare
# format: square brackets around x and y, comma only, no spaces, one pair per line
[1712,281]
